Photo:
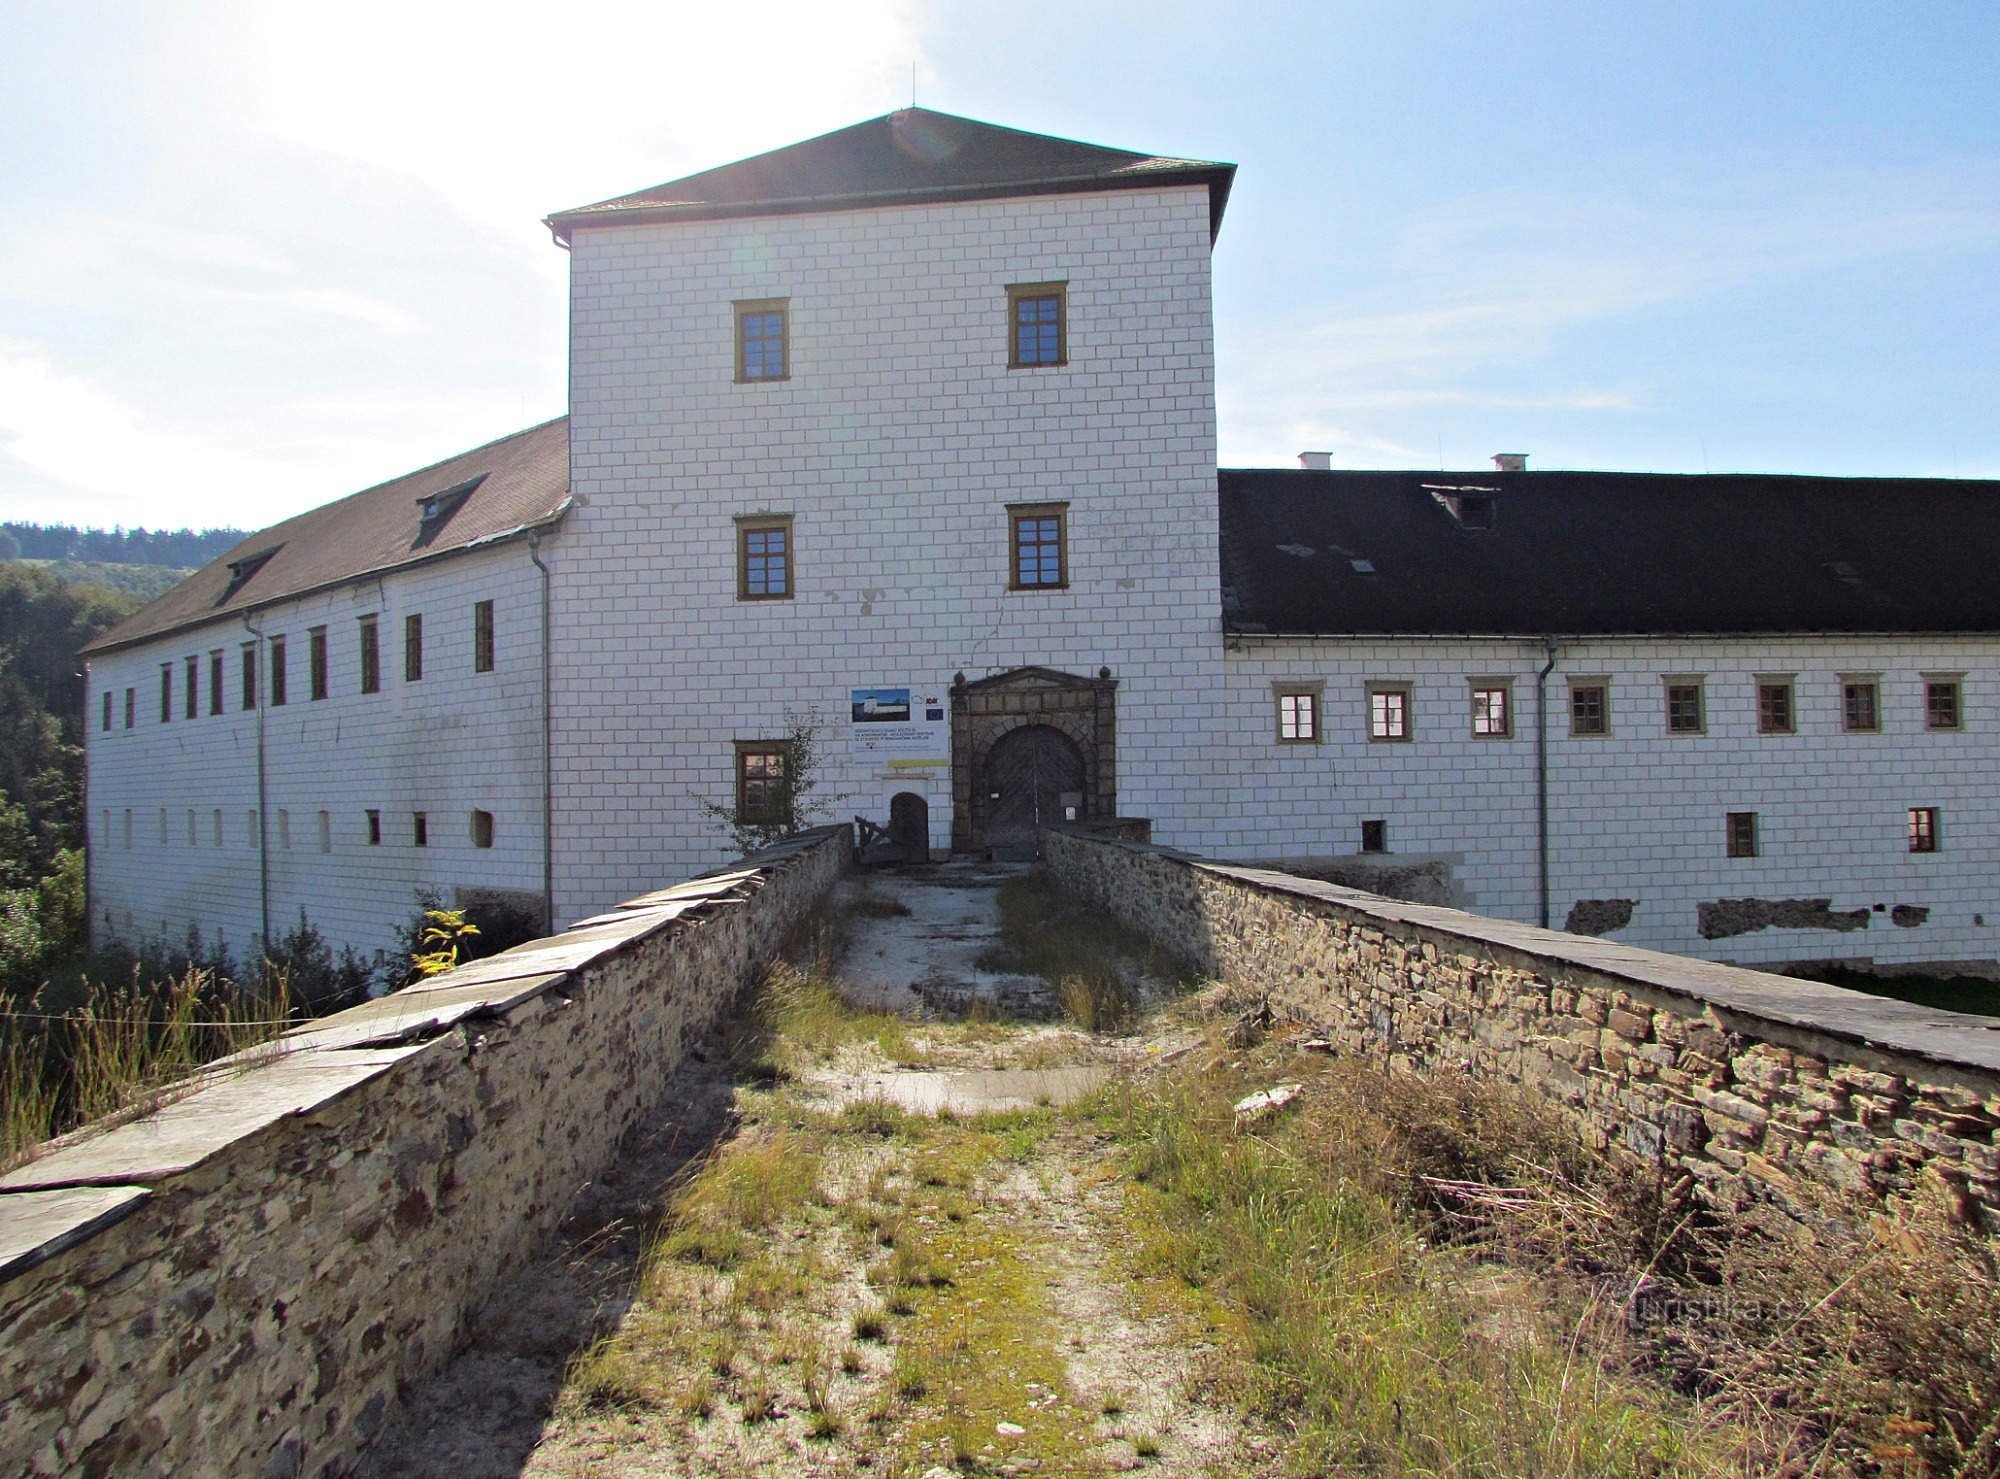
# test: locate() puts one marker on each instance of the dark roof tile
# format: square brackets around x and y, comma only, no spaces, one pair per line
[1586,553]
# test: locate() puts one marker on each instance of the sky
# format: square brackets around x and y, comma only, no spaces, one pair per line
[260,254]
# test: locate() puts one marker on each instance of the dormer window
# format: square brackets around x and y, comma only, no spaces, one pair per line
[434,511]
[241,570]
[1471,507]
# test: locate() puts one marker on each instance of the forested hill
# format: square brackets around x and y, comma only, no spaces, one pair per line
[181,549]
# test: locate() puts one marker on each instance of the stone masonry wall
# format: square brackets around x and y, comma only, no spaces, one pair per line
[1771,1092]
[242,1281]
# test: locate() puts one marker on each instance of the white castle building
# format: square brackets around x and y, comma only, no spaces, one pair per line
[908,433]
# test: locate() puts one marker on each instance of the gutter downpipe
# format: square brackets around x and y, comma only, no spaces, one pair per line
[1542,779]
[263,808]
[548,753]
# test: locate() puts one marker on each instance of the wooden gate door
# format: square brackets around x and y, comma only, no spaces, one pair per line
[1031,773]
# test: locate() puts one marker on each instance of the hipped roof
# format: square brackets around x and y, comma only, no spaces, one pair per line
[908,157]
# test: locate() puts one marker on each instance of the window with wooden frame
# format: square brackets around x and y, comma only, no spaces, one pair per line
[1776,712]
[1860,703]
[482,638]
[1740,834]
[1923,829]
[1037,538]
[764,557]
[191,673]
[1590,707]
[762,794]
[1389,711]
[1037,325]
[763,340]
[371,656]
[316,662]
[1687,712]
[1492,708]
[1943,708]
[413,647]
[278,673]
[1298,712]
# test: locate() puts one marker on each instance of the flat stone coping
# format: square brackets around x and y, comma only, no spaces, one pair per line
[37,1225]
[409,1013]
[981,1090]
[1931,1033]
[222,1110]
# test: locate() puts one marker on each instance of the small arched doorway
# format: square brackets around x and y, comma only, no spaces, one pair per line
[1033,776]
[910,826]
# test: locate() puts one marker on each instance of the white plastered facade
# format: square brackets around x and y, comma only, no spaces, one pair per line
[178,837]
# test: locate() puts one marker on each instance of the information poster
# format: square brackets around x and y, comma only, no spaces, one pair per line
[900,729]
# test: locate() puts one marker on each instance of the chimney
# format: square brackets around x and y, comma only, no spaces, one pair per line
[1316,461]
[1510,461]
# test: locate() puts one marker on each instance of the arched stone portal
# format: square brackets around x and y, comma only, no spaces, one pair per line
[1072,765]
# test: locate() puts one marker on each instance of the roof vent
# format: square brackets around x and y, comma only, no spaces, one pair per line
[1316,461]
[1510,461]
[434,510]
[241,570]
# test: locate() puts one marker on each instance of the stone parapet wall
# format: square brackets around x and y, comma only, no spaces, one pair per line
[242,1281]
[1769,1091]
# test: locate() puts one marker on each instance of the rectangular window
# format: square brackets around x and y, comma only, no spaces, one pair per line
[128,829]
[316,662]
[763,347]
[107,709]
[1941,702]
[215,826]
[1685,710]
[1298,715]
[191,674]
[482,829]
[215,681]
[1036,332]
[163,826]
[1923,829]
[249,674]
[371,656]
[284,829]
[1860,704]
[1037,538]
[1388,711]
[251,835]
[1492,709]
[166,692]
[1741,834]
[193,835]
[482,636]
[413,647]
[1375,835]
[1774,706]
[1589,707]
[131,704]
[278,674]
[761,795]
[420,829]
[326,831]
[374,827]
[764,558]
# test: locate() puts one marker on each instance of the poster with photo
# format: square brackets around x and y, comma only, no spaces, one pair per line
[900,729]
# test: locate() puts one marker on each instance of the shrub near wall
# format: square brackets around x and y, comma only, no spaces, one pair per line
[1769,1091]
[242,1281]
